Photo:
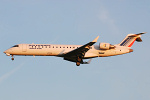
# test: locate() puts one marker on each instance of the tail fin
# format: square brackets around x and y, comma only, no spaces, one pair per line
[130,39]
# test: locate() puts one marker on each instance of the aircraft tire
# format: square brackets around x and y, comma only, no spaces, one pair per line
[78,63]
[12,59]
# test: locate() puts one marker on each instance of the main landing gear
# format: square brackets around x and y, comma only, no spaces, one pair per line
[12,57]
[78,61]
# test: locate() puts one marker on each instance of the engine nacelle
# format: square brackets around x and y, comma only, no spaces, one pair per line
[105,46]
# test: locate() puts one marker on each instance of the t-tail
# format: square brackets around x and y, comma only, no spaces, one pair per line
[130,39]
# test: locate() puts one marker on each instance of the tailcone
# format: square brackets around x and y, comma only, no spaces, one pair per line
[130,50]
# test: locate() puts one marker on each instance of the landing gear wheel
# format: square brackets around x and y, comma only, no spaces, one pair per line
[78,63]
[12,59]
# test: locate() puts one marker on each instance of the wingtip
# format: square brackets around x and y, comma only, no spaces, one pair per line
[95,40]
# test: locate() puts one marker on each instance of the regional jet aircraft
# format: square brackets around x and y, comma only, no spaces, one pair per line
[76,53]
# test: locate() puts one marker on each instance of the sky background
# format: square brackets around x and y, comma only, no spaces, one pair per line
[124,77]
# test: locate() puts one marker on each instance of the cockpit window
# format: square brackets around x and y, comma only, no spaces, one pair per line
[16,46]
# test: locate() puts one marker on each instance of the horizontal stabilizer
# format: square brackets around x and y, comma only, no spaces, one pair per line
[139,39]
[135,35]
[141,33]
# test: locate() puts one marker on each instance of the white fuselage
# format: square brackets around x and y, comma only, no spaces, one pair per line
[76,53]
[57,50]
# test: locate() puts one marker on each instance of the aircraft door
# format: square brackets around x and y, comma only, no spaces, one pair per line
[24,47]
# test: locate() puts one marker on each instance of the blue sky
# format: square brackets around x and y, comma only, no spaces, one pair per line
[124,77]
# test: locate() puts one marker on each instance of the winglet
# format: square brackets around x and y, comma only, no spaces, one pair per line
[95,40]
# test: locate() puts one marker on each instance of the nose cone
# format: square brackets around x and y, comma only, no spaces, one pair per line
[7,52]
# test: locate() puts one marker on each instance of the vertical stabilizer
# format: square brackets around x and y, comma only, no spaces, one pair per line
[130,39]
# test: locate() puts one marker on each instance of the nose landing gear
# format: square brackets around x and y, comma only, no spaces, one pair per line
[12,57]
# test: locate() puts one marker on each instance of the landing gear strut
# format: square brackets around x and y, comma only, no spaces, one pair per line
[12,58]
[79,59]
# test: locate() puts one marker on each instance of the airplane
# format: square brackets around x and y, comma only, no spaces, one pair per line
[76,53]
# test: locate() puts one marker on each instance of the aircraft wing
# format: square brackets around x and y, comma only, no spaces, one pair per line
[79,52]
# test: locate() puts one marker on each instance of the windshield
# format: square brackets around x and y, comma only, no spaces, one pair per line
[16,46]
